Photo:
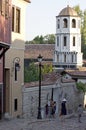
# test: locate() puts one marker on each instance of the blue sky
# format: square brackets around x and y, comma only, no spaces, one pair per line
[41,15]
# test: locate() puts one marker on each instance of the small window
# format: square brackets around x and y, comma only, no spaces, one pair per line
[16,77]
[57,57]
[64,57]
[73,41]
[73,23]
[58,24]
[57,41]
[65,23]
[15,104]
[15,19]
[65,41]
[72,58]
[18,20]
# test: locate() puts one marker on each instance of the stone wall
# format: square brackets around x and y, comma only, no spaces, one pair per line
[60,91]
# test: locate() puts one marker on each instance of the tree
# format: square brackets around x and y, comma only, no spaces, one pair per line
[83,29]
[32,72]
[81,86]
[48,39]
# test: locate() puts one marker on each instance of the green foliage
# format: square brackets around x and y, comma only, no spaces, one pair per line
[47,69]
[81,86]
[82,14]
[32,72]
[48,39]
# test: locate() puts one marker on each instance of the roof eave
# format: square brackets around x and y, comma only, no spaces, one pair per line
[28,1]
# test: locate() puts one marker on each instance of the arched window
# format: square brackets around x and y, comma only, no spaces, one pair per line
[73,23]
[72,58]
[64,57]
[65,40]
[57,57]
[58,23]
[65,23]
[73,41]
[57,41]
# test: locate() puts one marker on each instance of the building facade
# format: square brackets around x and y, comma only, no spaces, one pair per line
[5,41]
[14,61]
[68,39]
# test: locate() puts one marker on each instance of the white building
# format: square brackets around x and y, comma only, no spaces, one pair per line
[68,39]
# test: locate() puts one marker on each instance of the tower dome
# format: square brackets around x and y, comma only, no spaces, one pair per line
[68,11]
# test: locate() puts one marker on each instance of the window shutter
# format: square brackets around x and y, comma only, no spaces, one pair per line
[3,7]
[6,8]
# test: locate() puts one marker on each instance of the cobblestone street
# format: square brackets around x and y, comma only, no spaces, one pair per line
[43,124]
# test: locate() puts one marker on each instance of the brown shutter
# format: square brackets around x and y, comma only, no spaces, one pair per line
[6,8]
[3,7]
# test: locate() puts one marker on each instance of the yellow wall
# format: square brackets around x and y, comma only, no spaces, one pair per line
[16,50]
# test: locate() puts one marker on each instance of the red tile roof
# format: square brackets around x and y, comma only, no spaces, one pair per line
[48,79]
[77,73]
[33,50]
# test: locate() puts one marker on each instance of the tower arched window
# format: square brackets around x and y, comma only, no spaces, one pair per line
[72,58]
[65,23]
[57,57]
[65,40]
[73,23]
[73,41]
[64,57]
[57,41]
[58,23]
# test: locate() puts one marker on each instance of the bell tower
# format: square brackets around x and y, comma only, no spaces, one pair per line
[68,39]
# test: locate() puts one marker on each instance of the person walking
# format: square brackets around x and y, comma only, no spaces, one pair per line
[80,111]
[63,111]
[46,110]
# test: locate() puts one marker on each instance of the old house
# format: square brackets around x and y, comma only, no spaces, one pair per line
[5,43]
[14,60]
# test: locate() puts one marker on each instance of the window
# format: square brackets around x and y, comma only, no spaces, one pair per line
[73,41]
[16,19]
[16,72]
[65,23]
[15,104]
[73,23]
[57,41]
[13,19]
[72,58]
[58,24]
[64,57]
[65,40]
[57,57]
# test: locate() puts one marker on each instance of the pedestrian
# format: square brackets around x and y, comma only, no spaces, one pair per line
[63,111]
[46,110]
[53,109]
[80,111]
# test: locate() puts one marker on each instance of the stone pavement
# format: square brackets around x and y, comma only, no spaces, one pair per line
[44,124]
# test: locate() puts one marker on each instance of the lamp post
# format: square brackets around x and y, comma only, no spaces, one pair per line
[39,105]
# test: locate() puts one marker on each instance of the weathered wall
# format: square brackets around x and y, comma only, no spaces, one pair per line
[60,90]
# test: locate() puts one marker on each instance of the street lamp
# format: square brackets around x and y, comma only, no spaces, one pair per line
[39,105]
